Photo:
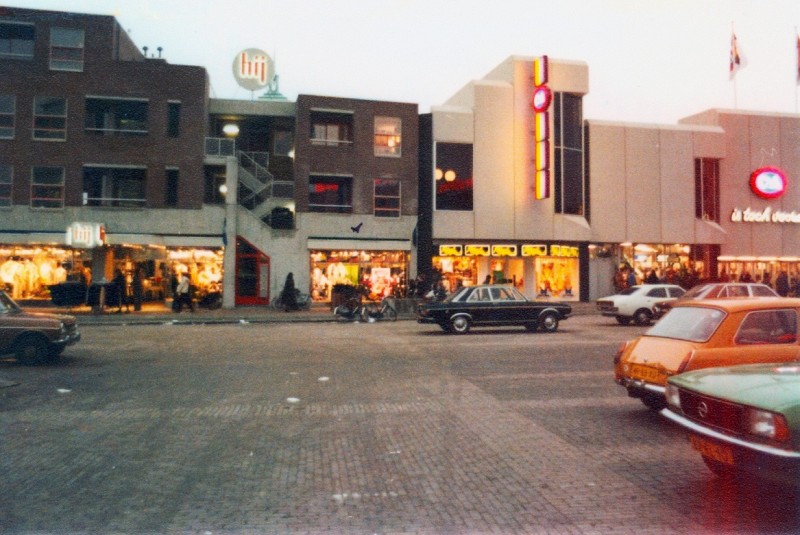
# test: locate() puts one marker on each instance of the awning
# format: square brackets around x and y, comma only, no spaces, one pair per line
[166,241]
[359,244]
[31,238]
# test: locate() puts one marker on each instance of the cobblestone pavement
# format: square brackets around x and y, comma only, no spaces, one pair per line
[325,428]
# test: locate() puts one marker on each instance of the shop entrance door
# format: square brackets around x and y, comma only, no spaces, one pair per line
[252,275]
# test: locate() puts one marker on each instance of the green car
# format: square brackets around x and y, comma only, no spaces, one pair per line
[743,420]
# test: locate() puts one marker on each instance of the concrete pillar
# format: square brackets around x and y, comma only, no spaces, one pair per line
[231,224]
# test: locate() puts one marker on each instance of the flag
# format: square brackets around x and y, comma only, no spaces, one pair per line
[736,58]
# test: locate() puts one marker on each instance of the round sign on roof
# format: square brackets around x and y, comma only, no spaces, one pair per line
[768,182]
[253,69]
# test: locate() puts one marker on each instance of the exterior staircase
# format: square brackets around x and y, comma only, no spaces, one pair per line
[258,191]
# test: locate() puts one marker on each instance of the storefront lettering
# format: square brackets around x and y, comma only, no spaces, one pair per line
[86,235]
[504,250]
[476,250]
[450,250]
[767,215]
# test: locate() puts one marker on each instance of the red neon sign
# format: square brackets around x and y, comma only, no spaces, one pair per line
[768,182]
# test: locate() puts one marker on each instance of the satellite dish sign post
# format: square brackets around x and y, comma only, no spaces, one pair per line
[253,69]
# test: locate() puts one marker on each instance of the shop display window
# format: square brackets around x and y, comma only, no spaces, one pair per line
[379,273]
[26,272]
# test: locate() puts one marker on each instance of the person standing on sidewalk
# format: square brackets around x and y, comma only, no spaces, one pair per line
[289,294]
[183,294]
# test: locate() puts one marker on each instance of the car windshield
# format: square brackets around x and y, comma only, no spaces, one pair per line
[6,303]
[693,324]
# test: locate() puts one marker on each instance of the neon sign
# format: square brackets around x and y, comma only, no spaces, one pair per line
[768,182]
[542,97]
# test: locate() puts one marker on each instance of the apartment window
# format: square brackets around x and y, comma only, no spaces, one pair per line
[570,188]
[47,187]
[6,177]
[171,188]
[706,189]
[115,186]
[330,193]
[66,49]
[453,176]
[50,118]
[387,198]
[111,116]
[8,108]
[331,128]
[387,136]
[173,119]
[17,40]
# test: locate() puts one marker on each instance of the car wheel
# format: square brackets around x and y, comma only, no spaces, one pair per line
[548,322]
[721,470]
[623,320]
[32,350]
[655,403]
[460,325]
[643,317]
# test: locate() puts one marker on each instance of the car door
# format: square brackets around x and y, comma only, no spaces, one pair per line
[479,305]
[505,305]
[762,336]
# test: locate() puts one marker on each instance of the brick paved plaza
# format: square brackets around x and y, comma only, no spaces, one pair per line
[325,428]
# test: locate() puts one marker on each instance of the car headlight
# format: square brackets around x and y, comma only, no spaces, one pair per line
[766,424]
[673,397]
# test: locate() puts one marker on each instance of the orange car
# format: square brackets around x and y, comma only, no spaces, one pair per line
[706,334]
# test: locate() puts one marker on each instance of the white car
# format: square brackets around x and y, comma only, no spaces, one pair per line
[637,303]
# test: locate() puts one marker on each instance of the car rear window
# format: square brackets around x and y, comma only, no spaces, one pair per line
[688,323]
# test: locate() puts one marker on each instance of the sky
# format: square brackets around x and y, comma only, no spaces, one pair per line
[650,61]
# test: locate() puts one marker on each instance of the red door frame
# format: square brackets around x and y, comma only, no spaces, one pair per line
[255,279]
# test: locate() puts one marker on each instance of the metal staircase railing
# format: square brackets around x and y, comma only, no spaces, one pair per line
[258,189]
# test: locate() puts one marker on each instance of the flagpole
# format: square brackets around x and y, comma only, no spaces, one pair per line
[734,67]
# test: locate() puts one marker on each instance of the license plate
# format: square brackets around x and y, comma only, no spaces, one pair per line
[716,452]
[648,373]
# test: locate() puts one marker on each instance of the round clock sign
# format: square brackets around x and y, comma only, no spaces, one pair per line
[768,182]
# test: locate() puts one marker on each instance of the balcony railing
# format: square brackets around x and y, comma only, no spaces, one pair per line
[220,146]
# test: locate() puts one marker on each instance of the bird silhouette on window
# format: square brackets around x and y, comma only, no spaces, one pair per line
[357,228]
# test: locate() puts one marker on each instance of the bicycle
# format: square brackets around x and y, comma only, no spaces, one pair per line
[303,301]
[350,310]
[374,311]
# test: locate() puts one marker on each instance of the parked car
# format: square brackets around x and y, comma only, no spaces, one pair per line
[490,306]
[742,419]
[34,337]
[637,303]
[705,334]
[714,290]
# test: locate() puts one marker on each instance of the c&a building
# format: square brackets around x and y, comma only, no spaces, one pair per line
[517,186]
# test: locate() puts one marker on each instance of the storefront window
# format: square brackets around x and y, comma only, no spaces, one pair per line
[26,271]
[381,273]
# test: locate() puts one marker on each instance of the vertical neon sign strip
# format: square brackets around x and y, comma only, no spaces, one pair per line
[541,117]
